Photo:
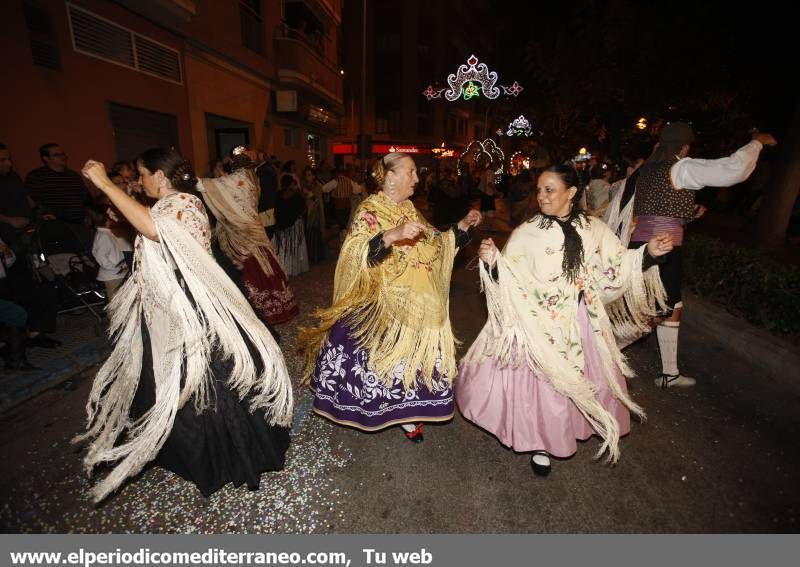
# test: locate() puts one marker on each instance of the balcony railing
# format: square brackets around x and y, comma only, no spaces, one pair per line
[300,54]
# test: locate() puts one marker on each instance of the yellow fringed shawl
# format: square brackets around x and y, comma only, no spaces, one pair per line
[398,309]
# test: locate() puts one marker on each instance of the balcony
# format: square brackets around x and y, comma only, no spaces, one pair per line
[325,9]
[299,60]
[168,13]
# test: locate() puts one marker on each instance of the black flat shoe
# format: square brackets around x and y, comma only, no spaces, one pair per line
[416,435]
[540,469]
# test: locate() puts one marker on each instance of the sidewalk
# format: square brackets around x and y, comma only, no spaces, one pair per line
[81,349]
[777,358]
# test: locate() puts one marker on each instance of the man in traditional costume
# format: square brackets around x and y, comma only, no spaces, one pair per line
[664,201]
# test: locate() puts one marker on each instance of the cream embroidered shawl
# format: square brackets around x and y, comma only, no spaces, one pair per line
[183,335]
[533,313]
[233,199]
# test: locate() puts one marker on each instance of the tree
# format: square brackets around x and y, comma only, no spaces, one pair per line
[776,212]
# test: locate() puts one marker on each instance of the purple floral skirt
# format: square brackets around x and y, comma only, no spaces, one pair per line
[348,392]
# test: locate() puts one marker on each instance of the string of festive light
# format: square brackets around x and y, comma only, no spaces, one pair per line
[431,93]
[513,90]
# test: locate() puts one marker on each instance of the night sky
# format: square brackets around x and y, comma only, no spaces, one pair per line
[618,60]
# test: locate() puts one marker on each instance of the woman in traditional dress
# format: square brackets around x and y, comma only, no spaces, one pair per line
[384,354]
[545,371]
[289,239]
[195,382]
[315,216]
[233,200]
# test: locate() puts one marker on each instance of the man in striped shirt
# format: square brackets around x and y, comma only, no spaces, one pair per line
[59,191]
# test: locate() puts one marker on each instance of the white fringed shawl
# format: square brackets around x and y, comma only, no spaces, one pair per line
[620,221]
[533,314]
[233,199]
[183,335]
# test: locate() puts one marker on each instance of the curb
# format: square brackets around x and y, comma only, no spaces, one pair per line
[26,385]
[778,358]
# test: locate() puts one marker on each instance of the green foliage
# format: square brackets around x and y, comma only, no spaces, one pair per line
[747,282]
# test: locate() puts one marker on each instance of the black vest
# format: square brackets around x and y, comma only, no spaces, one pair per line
[656,196]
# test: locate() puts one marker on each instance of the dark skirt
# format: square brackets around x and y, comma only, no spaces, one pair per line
[315,243]
[226,443]
[348,392]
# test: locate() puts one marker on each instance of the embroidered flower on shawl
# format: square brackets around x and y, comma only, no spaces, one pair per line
[611,273]
[371,220]
[552,300]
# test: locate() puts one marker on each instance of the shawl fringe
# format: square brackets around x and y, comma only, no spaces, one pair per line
[183,334]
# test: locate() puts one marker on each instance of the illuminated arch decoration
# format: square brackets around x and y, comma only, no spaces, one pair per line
[470,81]
[473,72]
[471,153]
[487,150]
[519,127]
[497,155]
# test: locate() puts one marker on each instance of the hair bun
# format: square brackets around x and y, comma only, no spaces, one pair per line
[183,178]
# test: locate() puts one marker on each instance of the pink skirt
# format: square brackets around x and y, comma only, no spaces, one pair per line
[525,413]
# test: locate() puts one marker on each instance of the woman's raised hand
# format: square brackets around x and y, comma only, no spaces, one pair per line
[95,172]
[488,251]
[408,231]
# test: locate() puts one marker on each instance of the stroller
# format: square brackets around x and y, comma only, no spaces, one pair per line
[56,255]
